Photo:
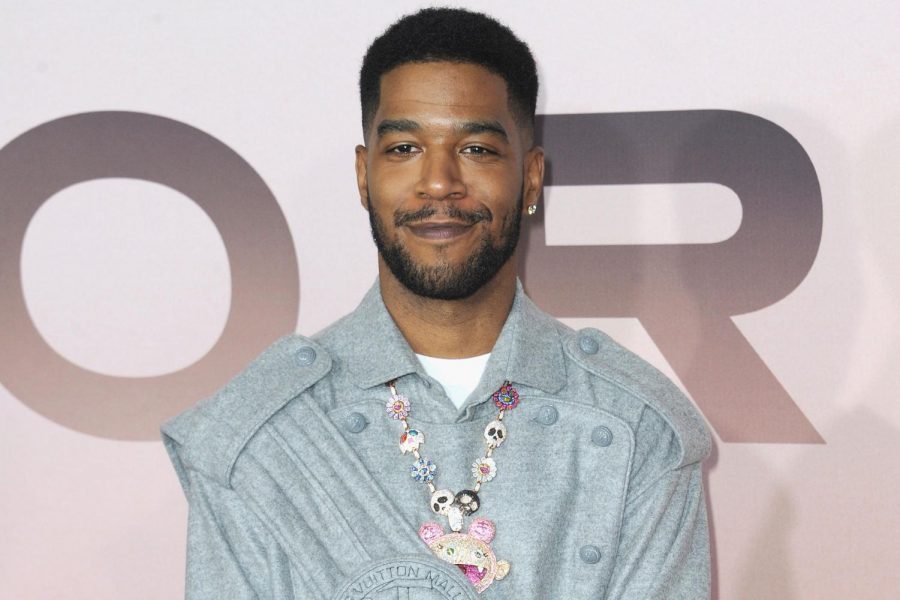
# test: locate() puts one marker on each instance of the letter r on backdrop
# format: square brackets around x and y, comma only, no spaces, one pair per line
[685,294]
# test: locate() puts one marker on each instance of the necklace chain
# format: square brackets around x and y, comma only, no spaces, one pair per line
[445,502]
[471,551]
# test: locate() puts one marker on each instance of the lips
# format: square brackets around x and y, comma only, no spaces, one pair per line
[437,230]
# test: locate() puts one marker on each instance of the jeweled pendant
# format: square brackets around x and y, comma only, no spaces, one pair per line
[470,552]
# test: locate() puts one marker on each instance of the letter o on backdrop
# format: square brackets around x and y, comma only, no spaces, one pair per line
[265,287]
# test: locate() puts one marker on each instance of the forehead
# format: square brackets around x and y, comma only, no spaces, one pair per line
[436,92]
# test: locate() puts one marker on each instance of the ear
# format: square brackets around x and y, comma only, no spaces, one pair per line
[502,569]
[362,181]
[430,531]
[483,530]
[533,178]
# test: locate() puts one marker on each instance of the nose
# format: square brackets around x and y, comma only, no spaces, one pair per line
[441,176]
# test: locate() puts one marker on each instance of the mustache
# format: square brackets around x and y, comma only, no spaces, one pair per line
[449,211]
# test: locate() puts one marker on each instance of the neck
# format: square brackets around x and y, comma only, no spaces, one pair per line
[451,328]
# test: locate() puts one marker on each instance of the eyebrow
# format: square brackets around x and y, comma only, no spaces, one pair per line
[396,126]
[469,127]
[485,127]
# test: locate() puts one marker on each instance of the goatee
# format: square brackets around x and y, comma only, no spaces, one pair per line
[447,281]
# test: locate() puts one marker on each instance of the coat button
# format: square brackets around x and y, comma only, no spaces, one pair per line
[547,415]
[306,356]
[590,554]
[601,436]
[355,422]
[588,344]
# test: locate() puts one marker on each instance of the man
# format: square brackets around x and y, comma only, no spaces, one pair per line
[447,437]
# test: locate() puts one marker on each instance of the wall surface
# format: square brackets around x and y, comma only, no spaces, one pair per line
[176,190]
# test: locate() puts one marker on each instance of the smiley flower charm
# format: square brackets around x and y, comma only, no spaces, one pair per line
[423,470]
[397,407]
[506,398]
[484,469]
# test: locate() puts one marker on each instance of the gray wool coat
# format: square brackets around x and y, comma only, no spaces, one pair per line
[297,487]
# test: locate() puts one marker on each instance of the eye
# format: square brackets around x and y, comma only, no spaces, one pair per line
[451,551]
[477,150]
[402,149]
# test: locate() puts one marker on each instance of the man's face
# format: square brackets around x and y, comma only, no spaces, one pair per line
[445,175]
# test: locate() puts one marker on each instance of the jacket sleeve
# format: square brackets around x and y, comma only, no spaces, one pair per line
[663,549]
[230,554]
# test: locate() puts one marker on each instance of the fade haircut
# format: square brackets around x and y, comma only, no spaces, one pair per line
[452,35]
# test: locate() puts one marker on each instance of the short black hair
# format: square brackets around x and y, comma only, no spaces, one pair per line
[452,35]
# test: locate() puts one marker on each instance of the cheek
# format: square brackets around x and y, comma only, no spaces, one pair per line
[499,190]
[382,196]
[395,178]
[498,182]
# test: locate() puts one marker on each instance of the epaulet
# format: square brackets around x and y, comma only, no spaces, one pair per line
[601,355]
[209,437]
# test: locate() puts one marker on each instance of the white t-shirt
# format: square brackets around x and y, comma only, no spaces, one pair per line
[458,376]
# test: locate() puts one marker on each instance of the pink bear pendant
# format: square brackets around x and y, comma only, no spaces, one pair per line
[468,551]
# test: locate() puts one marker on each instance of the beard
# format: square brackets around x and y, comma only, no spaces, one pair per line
[446,281]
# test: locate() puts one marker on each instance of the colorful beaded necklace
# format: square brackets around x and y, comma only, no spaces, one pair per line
[469,551]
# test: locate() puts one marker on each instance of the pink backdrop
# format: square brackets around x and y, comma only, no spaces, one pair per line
[176,190]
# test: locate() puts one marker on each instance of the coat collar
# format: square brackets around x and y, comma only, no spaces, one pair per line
[528,351]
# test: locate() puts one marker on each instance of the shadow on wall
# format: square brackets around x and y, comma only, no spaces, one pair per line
[770,571]
[831,526]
